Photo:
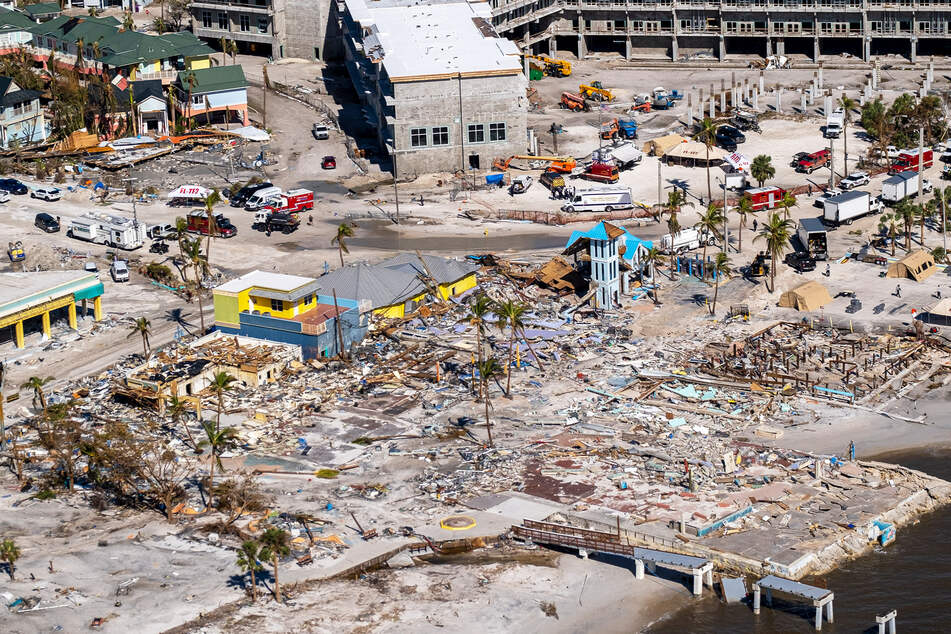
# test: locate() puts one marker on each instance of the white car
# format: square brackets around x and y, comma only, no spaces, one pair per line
[826,195]
[119,271]
[855,179]
[4,196]
[46,193]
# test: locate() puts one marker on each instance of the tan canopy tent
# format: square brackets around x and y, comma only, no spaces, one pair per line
[917,265]
[806,297]
[939,314]
[661,145]
[696,151]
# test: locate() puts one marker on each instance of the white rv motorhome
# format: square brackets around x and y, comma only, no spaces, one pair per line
[112,231]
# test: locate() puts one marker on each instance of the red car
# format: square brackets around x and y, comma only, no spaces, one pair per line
[329,163]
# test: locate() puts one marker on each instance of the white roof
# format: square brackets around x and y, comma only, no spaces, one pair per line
[251,133]
[626,152]
[263,279]
[434,39]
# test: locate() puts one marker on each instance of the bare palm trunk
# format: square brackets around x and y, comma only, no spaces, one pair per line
[742,227]
[488,423]
[716,291]
[254,587]
[532,350]
[277,583]
[479,346]
[893,245]
[709,186]
[211,477]
[508,380]
[922,232]
[340,249]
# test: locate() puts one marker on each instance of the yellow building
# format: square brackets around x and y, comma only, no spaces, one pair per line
[30,302]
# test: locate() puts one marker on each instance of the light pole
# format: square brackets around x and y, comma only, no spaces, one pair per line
[131,180]
[396,191]
[726,226]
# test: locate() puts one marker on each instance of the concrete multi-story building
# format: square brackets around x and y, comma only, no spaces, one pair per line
[680,28]
[276,28]
[441,89]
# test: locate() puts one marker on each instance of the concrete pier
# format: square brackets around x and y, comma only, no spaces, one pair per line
[820,597]
[887,619]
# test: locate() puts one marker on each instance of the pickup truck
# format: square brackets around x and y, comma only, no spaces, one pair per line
[161,232]
[813,161]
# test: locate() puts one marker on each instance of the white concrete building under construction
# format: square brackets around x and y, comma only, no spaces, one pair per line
[442,90]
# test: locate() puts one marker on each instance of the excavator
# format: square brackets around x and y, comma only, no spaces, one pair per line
[560,164]
[552,67]
[595,91]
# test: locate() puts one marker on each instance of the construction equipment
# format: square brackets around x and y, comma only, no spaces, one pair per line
[560,164]
[551,66]
[602,173]
[609,129]
[627,128]
[595,91]
[642,104]
[15,251]
[760,265]
[573,102]
[520,184]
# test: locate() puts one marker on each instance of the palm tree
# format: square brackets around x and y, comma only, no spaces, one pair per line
[224,44]
[128,23]
[344,231]
[9,552]
[488,370]
[761,169]
[191,80]
[219,441]
[776,232]
[786,202]
[847,104]
[36,384]
[181,237]
[210,201]
[905,212]
[744,209]
[924,212]
[675,199]
[889,224]
[480,309]
[220,384]
[80,50]
[652,259]
[200,265]
[510,314]
[177,410]
[233,50]
[248,562]
[710,223]
[142,327]
[708,136]
[721,266]
[274,544]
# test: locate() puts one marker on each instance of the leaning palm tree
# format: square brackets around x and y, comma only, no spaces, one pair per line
[776,232]
[143,328]
[274,544]
[761,169]
[710,222]
[344,231]
[177,409]
[9,552]
[210,201]
[479,310]
[510,315]
[219,440]
[248,562]
[36,384]
[708,136]
[847,104]
[489,369]
[721,266]
[220,384]
[652,259]
[744,209]
[786,202]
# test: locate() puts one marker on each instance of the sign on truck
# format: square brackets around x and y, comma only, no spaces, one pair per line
[848,206]
[605,200]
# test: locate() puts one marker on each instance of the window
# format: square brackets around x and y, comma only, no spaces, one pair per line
[441,135]
[496,132]
[307,299]
[476,133]
[277,304]
[245,22]
[223,21]
[418,137]
[262,25]
[197,100]
[206,19]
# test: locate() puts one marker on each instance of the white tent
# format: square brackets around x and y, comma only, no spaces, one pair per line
[193,192]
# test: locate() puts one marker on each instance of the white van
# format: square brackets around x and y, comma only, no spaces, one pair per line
[262,198]
[686,240]
[606,200]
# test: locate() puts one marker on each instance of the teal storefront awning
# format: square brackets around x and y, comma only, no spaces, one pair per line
[89,293]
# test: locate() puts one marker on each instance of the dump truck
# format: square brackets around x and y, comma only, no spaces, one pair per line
[573,102]
[609,129]
[627,128]
[595,91]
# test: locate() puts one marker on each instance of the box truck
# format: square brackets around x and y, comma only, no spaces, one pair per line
[847,206]
[600,200]
[901,185]
[812,235]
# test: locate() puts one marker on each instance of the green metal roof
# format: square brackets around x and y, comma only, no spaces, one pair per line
[43,8]
[15,21]
[187,45]
[214,79]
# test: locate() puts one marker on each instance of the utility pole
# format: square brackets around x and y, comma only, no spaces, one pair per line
[921,165]
[660,189]
[131,180]
[831,164]
[396,191]
[554,136]
[726,226]
[264,90]
[462,131]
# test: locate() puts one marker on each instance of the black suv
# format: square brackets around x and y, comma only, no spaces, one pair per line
[285,223]
[801,261]
[242,195]
[726,142]
[732,132]
[13,186]
[46,222]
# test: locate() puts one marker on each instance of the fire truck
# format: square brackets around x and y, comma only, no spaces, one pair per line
[198,223]
[764,197]
[292,202]
[908,161]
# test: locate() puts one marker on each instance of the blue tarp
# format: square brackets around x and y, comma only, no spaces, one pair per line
[494,179]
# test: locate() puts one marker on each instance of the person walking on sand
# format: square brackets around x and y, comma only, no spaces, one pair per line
[898,290]
[755,224]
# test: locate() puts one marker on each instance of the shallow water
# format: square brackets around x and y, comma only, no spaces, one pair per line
[913,575]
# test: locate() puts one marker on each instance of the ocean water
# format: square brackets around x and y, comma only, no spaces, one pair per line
[913,576]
